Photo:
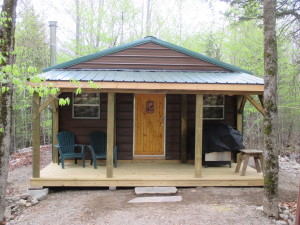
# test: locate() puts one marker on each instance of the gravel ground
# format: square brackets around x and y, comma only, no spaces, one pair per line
[210,205]
[199,206]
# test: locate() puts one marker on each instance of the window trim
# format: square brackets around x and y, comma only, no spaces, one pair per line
[80,105]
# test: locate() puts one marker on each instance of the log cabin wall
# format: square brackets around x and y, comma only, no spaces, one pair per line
[124,123]
[148,56]
[229,119]
[83,127]
[173,126]
[124,114]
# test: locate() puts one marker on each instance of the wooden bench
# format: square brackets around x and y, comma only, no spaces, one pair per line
[245,155]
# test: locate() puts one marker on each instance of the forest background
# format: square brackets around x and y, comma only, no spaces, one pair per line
[231,31]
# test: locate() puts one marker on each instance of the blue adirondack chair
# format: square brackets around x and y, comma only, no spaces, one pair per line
[98,148]
[66,148]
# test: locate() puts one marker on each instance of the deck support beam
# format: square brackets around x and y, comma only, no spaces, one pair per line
[255,104]
[183,128]
[198,135]
[36,161]
[110,134]
[55,127]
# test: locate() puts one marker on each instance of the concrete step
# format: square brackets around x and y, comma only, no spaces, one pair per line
[156,199]
[155,190]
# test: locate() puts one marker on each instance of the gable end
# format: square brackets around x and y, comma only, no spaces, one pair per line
[149,56]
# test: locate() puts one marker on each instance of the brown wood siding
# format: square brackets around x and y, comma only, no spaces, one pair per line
[124,114]
[229,119]
[124,123]
[148,56]
[83,127]
[173,127]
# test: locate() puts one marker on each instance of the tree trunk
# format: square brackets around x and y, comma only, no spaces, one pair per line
[271,113]
[7,30]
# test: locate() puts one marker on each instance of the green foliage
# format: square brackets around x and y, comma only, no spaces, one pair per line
[31,46]
[4,89]
[63,101]
[78,91]
[32,54]
[248,44]
[93,85]
[4,19]
[99,26]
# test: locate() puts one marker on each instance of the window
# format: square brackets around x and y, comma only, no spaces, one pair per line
[213,107]
[86,106]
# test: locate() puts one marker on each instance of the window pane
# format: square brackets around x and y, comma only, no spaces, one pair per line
[86,111]
[213,112]
[213,100]
[87,98]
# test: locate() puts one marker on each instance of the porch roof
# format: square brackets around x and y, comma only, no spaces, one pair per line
[155,81]
[153,76]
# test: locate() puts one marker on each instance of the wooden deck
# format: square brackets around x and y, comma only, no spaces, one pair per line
[144,173]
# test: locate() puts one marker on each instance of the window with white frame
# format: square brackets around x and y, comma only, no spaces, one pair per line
[86,106]
[213,107]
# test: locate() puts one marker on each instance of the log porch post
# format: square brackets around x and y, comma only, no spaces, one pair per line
[198,135]
[35,135]
[55,121]
[110,134]
[183,128]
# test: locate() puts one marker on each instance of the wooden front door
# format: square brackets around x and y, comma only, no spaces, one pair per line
[149,125]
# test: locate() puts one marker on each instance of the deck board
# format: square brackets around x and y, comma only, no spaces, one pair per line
[144,173]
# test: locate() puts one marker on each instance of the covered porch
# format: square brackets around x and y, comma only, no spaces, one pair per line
[148,171]
[153,100]
[132,173]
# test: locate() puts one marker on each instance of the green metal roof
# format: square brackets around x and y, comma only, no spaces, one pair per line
[144,41]
[153,77]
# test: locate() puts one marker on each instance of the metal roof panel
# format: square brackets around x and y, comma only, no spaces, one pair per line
[153,77]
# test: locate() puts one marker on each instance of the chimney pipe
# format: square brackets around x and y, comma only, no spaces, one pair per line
[52,25]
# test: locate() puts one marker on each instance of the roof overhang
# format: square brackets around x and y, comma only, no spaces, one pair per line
[153,81]
[141,87]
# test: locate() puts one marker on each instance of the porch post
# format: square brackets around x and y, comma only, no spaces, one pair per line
[183,127]
[239,115]
[198,135]
[35,135]
[110,134]
[55,120]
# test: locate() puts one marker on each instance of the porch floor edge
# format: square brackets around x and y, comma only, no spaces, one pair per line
[135,174]
[137,182]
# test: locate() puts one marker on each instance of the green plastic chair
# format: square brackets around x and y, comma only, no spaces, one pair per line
[98,148]
[66,148]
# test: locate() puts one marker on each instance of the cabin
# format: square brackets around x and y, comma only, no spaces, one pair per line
[153,99]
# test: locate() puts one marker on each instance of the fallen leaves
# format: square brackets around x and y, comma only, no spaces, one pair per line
[24,157]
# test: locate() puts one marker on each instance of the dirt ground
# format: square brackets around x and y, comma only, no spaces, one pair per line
[209,205]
